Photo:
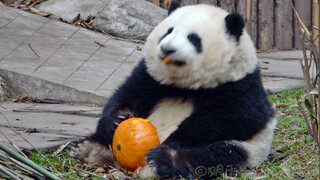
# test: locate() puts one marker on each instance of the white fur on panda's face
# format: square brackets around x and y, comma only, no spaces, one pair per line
[218,59]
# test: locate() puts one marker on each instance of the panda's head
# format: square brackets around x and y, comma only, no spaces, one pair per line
[199,46]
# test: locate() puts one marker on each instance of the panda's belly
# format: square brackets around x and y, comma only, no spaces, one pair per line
[168,114]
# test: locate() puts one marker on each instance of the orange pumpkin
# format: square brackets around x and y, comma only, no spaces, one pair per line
[132,139]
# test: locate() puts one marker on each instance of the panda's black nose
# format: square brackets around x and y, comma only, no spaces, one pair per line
[167,51]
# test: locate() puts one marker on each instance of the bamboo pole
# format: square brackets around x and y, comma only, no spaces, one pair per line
[7,172]
[28,162]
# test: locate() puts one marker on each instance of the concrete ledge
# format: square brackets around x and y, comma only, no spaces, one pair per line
[276,84]
[41,89]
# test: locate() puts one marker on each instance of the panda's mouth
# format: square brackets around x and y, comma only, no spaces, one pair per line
[168,61]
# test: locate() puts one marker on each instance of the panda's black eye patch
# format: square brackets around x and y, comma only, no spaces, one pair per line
[167,33]
[196,41]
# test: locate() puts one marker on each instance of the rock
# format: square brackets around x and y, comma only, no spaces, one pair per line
[71,8]
[130,19]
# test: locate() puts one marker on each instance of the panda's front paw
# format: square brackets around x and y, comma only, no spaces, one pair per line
[93,154]
[169,162]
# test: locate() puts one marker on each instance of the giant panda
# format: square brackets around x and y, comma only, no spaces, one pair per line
[200,85]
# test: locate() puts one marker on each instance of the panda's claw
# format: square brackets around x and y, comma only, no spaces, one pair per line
[124,114]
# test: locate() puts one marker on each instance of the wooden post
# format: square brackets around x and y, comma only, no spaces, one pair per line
[241,8]
[253,21]
[188,2]
[166,4]
[265,25]
[156,2]
[212,2]
[304,10]
[283,25]
[228,5]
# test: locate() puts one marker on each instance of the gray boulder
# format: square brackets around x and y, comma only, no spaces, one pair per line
[130,19]
[71,8]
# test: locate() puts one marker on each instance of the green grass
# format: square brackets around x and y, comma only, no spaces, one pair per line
[66,166]
[296,152]
[298,157]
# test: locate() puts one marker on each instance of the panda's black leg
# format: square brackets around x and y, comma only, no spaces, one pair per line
[109,122]
[94,150]
[205,162]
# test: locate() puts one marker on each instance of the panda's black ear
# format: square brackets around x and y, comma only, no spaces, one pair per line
[173,6]
[235,25]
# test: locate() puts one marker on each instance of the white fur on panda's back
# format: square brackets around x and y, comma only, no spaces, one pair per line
[168,114]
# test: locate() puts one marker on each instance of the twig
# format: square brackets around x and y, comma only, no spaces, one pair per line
[79,112]
[99,43]
[3,107]
[4,135]
[312,41]
[304,115]
[298,100]
[61,148]
[33,50]
[75,19]
[61,132]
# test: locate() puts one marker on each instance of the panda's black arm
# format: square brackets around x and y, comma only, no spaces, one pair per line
[136,97]
[237,120]
[232,111]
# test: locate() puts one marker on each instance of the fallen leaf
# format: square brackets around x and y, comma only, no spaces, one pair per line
[139,48]
[281,105]
[99,43]
[230,178]
[99,170]
[259,177]
[40,13]
[75,19]
[276,156]
[119,175]
[301,153]
[286,169]
[299,176]
[294,127]
[278,79]
[32,130]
